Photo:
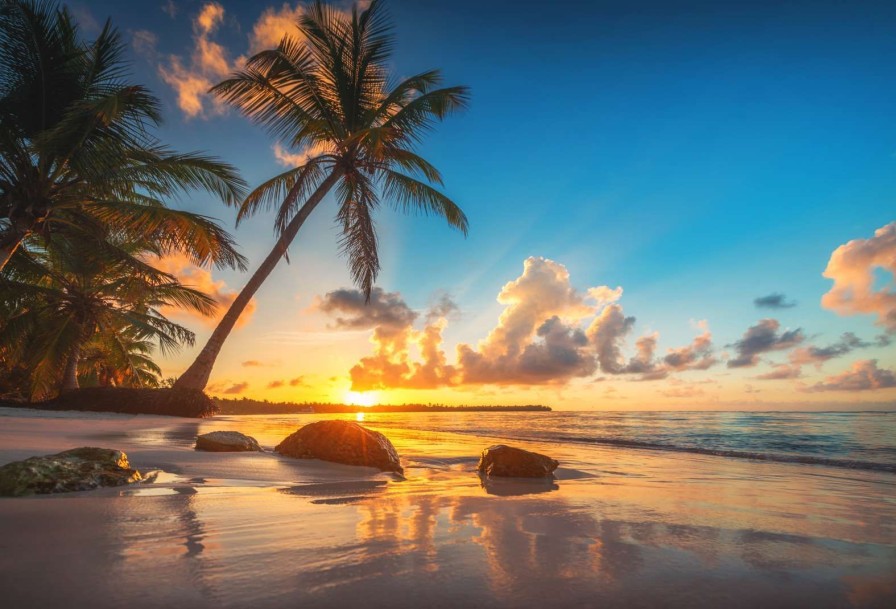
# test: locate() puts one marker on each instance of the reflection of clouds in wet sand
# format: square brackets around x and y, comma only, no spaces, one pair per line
[400,544]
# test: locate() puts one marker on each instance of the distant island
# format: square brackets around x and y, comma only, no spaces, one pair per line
[250,406]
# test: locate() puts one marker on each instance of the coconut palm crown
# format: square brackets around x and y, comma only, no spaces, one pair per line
[329,91]
[76,152]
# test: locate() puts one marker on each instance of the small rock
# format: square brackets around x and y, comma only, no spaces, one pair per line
[342,442]
[500,460]
[226,441]
[79,469]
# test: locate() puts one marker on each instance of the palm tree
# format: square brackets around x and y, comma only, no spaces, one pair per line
[65,299]
[76,152]
[332,92]
[120,358]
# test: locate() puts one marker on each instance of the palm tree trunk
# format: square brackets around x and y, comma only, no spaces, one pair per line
[70,375]
[196,376]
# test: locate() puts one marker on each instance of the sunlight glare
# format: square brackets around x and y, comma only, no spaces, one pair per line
[360,398]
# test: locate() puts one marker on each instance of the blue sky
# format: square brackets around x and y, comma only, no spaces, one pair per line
[697,154]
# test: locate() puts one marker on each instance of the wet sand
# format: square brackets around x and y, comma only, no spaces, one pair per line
[618,528]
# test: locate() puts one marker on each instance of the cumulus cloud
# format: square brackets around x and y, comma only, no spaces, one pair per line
[852,267]
[608,331]
[548,333]
[272,25]
[275,384]
[209,61]
[763,338]
[773,301]
[207,64]
[698,355]
[299,381]
[201,279]
[863,375]
[527,345]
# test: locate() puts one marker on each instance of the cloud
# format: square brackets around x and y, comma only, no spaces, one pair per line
[763,338]
[144,43]
[818,355]
[608,331]
[295,159]
[272,25]
[384,310]
[548,333]
[442,306]
[863,375]
[527,345]
[781,372]
[84,18]
[698,355]
[236,388]
[773,301]
[275,384]
[170,8]
[251,363]
[207,65]
[201,279]
[852,267]
[299,381]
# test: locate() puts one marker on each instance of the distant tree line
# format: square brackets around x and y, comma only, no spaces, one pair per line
[250,406]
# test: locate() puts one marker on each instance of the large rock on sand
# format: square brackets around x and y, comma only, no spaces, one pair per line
[226,442]
[79,469]
[342,442]
[500,460]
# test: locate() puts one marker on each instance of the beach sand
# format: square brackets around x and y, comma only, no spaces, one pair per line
[617,528]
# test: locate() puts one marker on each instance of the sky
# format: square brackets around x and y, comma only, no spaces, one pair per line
[672,205]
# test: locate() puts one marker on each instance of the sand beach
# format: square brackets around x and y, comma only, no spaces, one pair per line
[616,528]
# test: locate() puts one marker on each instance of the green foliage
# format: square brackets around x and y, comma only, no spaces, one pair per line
[330,90]
[65,302]
[77,156]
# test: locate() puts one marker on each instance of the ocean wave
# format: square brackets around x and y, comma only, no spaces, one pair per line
[736,454]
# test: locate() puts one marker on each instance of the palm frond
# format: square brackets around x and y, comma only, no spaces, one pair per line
[413,196]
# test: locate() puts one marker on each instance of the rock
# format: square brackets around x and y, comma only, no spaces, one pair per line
[226,441]
[342,442]
[500,460]
[79,469]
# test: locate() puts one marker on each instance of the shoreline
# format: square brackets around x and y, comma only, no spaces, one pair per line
[618,527]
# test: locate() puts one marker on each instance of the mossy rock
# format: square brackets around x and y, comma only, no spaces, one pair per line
[79,469]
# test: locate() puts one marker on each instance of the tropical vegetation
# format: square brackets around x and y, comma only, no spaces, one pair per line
[83,191]
[328,90]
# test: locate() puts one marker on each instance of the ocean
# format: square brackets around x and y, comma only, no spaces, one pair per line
[855,440]
[648,509]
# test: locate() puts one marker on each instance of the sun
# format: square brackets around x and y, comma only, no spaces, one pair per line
[360,398]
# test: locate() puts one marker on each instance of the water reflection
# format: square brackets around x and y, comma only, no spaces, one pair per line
[513,487]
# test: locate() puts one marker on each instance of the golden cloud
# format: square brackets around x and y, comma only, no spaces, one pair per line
[852,266]
[201,279]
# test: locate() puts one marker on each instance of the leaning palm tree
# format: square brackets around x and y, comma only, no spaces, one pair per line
[332,92]
[64,300]
[76,152]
